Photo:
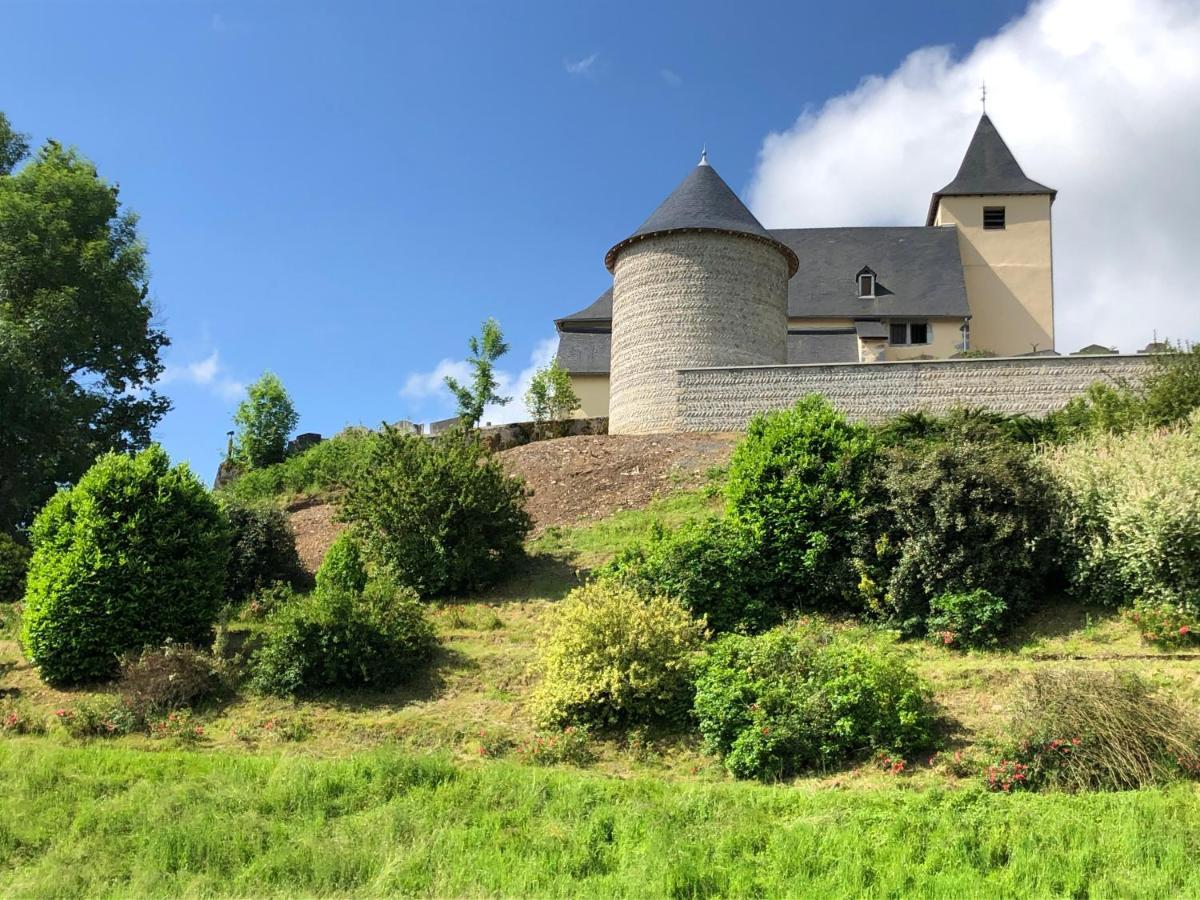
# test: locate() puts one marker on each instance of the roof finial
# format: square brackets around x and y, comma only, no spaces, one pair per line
[704,155]
[983,96]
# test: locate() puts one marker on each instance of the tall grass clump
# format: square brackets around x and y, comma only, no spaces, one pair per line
[1086,731]
[1133,515]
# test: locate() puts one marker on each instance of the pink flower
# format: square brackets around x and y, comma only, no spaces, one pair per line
[1183,629]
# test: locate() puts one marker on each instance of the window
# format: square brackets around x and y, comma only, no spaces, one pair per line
[866,285]
[902,333]
[965,331]
[993,218]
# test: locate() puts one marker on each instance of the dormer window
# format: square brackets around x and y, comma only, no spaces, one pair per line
[866,283]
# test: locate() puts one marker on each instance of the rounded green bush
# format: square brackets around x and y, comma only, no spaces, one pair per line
[967,618]
[262,549]
[440,514]
[797,477]
[714,566]
[614,656]
[336,638]
[343,566]
[14,560]
[800,697]
[132,556]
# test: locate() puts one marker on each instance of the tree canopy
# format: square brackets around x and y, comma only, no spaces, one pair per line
[265,421]
[78,345]
[488,347]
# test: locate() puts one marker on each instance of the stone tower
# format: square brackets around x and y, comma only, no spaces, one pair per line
[700,283]
[1003,223]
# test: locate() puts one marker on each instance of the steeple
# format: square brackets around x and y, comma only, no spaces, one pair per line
[702,202]
[989,168]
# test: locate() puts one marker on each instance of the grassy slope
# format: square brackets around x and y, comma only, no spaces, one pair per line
[115,821]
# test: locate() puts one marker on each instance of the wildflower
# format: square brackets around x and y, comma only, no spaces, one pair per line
[1183,629]
[63,713]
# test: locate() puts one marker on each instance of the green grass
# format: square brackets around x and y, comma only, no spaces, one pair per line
[101,820]
[593,544]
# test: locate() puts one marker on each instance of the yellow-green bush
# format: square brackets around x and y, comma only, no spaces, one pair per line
[1133,514]
[615,657]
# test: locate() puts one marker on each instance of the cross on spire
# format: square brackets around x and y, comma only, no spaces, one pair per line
[704,155]
[983,96]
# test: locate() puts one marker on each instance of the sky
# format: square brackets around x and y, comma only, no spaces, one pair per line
[341,192]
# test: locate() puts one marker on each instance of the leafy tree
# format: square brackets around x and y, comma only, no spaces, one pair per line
[77,344]
[488,347]
[550,396]
[264,419]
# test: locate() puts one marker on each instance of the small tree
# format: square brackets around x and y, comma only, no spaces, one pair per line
[264,419]
[550,397]
[488,347]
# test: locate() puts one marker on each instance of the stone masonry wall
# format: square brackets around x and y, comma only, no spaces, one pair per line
[724,399]
[687,300]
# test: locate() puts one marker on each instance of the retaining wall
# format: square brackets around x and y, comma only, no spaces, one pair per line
[725,398]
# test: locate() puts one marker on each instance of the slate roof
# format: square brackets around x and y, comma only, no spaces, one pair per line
[988,167]
[584,353]
[918,271]
[598,311]
[701,202]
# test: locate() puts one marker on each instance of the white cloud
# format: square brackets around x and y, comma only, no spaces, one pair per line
[671,77]
[1099,100]
[428,390]
[581,67]
[208,372]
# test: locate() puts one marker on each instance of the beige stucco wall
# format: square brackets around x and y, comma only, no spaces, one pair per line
[1008,272]
[724,399]
[592,391]
[684,300]
[946,337]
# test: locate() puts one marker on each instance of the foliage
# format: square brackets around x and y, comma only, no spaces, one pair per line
[343,567]
[133,555]
[796,478]
[266,600]
[262,549]
[336,638]
[614,656]
[14,560]
[488,347]
[1133,515]
[159,680]
[572,746]
[801,696]
[1079,730]
[966,423]
[715,567]
[77,347]
[956,517]
[327,467]
[441,515]
[550,397]
[967,618]
[264,420]
[1165,625]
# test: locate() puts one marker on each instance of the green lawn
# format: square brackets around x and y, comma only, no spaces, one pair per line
[113,821]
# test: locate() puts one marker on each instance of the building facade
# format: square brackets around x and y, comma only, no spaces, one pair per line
[701,283]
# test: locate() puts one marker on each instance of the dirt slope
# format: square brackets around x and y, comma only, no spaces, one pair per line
[571,480]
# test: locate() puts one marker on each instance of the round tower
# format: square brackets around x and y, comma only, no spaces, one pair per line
[700,283]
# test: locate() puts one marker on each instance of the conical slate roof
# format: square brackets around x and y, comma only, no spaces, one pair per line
[703,202]
[988,168]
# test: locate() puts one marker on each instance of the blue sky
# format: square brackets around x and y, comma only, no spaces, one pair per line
[341,192]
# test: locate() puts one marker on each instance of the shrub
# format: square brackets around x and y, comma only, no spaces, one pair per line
[262,549]
[14,560]
[336,638]
[967,619]
[616,657]
[440,515]
[133,555]
[800,697]
[571,746]
[714,566]
[343,566]
[1083,730]
[956,517]
[325,468]
[1165,625]
[796,477]
[267,600]
[160,680]
[1133,515]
